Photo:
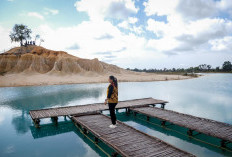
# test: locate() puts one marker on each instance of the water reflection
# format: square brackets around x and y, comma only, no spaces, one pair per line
[52,129]
[56,98]
[67,126]
[21,123]
[44,99]
[208,97]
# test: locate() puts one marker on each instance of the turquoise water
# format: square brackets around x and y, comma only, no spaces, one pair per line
[209,96]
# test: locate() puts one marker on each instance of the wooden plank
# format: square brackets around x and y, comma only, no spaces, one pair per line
[74,110]
[125,139]
[202,125]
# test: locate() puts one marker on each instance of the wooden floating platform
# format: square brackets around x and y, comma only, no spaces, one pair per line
[124,139]
[209,127]
[82,109]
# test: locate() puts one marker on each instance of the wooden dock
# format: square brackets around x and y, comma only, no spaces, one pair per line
[124,139]
[36,115]
[209,127]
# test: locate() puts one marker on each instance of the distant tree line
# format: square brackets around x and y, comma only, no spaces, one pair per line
[226,67]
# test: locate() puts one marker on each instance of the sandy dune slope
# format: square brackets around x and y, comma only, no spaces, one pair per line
[35,65]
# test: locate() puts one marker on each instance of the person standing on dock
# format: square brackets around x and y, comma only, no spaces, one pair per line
[112,98]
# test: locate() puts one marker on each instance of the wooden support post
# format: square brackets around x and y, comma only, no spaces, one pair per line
[163,105]
[148,118]
[134,113]
[127,111]
[190,132]
[163,123]
[114,154]
[223,143]
[37,121]
[96,140]
[55,119]
[85,130]
[78,125]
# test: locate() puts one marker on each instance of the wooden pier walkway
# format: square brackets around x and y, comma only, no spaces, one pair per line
[83,109]
[124,139]
[209,127]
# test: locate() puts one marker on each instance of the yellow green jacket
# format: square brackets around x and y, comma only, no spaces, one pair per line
[112,94]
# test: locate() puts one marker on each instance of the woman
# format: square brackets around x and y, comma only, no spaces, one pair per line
[112,99]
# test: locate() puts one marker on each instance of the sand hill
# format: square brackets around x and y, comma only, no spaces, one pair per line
[35,65]
[36,59]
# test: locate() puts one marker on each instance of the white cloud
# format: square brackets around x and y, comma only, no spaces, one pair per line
[36,15]
[190,26]
[118,9]
[92,40]
[157,27]
[196,9]
[129,24]
[124,24]
[162,45]
[137,30]
[187,36]
[5,40]
[160,8]
[51,11]
[132,20]
[187,9]
[224,44]
[85,34]
[224,4]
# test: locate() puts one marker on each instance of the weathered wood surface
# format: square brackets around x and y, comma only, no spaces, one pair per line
[202,125]
[125,139]
[74,110]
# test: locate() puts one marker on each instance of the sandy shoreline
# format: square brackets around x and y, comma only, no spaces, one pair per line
[22,79]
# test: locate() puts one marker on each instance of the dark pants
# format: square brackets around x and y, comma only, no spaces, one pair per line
[112,112]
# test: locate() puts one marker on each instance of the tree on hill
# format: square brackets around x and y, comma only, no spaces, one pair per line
[20,33]
[227,66]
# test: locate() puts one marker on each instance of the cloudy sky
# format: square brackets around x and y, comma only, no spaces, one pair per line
[128,33]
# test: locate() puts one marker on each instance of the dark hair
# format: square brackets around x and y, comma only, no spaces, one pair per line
[114,79]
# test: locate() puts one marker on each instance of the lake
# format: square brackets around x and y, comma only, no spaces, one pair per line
[209,96]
